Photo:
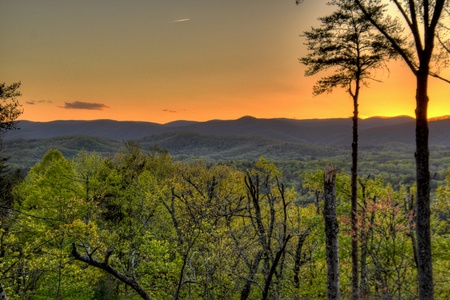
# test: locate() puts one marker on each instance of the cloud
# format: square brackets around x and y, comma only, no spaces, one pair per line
[84,105]
[34,102]
[169,111]
[181,20]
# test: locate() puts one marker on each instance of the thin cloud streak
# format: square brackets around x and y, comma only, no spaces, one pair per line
[181,20]
[84,105]
[34,102]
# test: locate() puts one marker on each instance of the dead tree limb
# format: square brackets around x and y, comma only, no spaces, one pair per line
[331,232]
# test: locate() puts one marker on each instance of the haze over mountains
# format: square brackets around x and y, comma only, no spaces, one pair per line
[244,139]
[372,131]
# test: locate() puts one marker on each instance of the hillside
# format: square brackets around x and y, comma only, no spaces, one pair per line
[318,131]
[384,142]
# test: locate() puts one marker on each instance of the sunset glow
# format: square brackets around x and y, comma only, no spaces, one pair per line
[161,61]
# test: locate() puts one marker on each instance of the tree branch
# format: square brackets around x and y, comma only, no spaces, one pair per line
[386,34]
[131,282]
[439,77]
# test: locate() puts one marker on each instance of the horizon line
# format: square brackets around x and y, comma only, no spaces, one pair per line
[444,117]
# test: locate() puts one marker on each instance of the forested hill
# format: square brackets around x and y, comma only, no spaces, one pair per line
[383,141]
[373,131]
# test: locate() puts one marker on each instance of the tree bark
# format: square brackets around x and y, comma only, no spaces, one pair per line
[298,257]
[245,293]
[354,200]
[273,268]
[331,233]
[412,226]
[364,288]
[425,271]
[2,293]
[430,14]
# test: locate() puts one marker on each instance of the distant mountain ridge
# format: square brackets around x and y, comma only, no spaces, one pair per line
[246,139]
[372,131]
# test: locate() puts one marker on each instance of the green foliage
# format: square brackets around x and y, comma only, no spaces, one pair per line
[441,237]
[47,219]
[9,107]
[394,162]
[201,230]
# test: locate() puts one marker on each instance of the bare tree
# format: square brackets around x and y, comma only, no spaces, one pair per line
[259,191]
[331,232]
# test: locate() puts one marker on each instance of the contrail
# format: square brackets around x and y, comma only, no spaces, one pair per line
[181,20]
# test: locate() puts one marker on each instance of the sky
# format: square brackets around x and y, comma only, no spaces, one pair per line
[166,60]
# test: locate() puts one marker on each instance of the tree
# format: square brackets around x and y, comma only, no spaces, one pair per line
[9,107]
[200,201]
[9,112]
[261,227]
[331,232]
[259,193]
[124,193]
[387,262]
[346,43]
[441,238]
[412,35]
[48,212]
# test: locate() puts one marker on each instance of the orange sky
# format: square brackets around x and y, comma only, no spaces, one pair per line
[163,60]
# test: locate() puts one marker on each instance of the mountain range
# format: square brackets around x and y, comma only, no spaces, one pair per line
[244,139]
[372,131]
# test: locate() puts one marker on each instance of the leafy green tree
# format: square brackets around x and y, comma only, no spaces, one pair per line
[440,221]
[127,193]
[110,214]
[47,219]
[312,183]
[94,210]
[386,239]
[203,199]
[386,225]
[9,112]
[9,107]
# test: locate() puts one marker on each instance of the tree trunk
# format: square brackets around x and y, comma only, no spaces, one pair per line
[268,281]
[2,293]
[331,233]
[364,288]
[245,293]
[425,272]
[354,200]
[298,258]
[412,225]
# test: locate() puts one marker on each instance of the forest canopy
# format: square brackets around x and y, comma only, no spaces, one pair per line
[141,225]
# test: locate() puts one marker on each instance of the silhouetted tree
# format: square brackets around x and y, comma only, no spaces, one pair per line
[412,35]
[346,43]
